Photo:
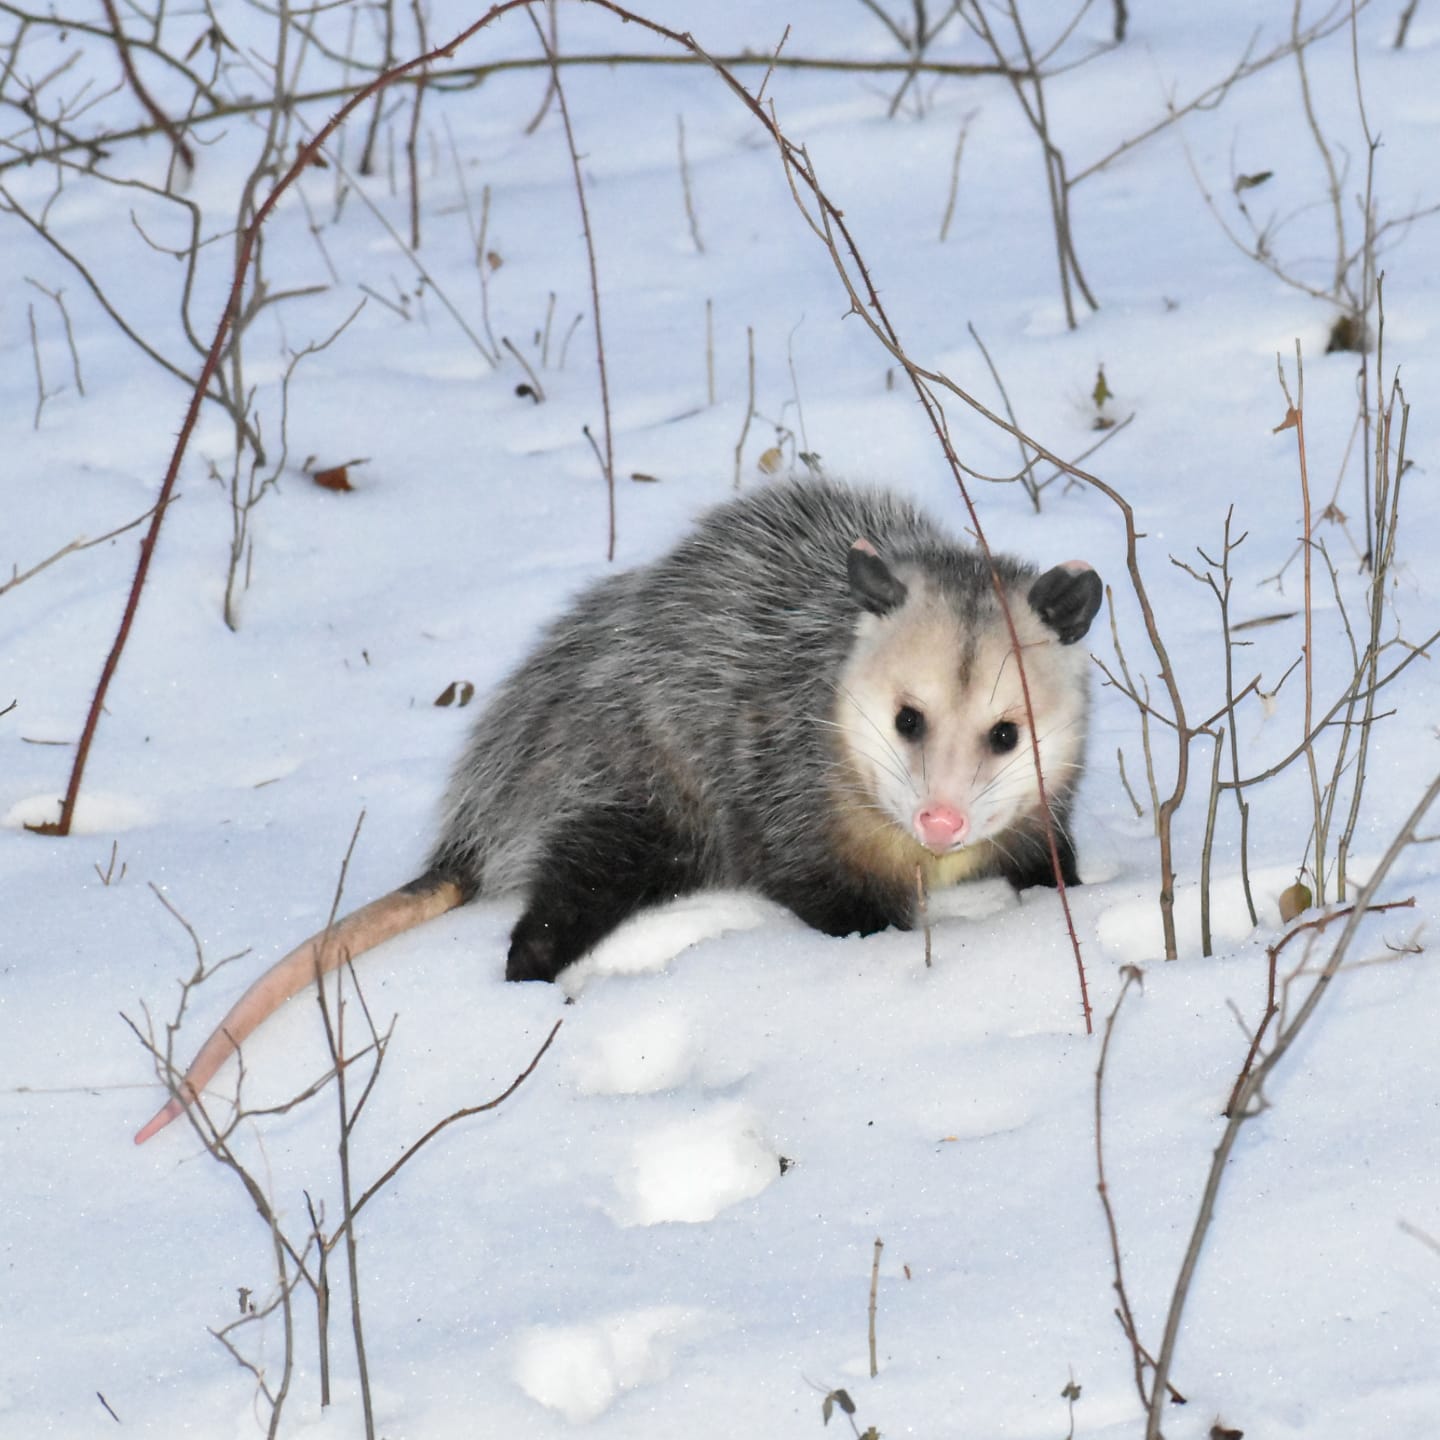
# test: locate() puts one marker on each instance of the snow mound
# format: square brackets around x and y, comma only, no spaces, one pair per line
[579,1370]
[96,813]
[652,940]
[690,1170]
[649,1053]
[1131,932]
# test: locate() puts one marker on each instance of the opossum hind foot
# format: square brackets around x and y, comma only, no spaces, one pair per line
[604,866]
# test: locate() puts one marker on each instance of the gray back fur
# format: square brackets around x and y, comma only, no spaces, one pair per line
[703,682]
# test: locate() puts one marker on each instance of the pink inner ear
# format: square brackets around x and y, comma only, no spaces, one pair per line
[1076,567]
[863,545]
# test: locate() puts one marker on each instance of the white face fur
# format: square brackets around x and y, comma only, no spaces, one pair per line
[933,719]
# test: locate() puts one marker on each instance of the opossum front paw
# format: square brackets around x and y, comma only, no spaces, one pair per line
[861,919]
[842,913]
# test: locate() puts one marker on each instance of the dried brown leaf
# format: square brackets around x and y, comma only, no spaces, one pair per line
[336,477]
[458,693]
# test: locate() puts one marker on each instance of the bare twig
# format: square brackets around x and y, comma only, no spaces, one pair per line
[922,911]
[245,250]
[58,296]
[690,216]
[1402,29]
[1221,590]
[537,390]
[1209,98]
[954,192]
[1125,783]
[412,136]
[1130,975]
[41,393]
[608,458]
[469,77]
[1415,1232]
[749,402]
[73,548]
[488,352]
[553,20]
[1027,465]
[1207,848]
[333,1021]
[445,1124]
[162,121]
[709,351]
[828,223]
[1032,103]
[1311,927]
[1295,420]
[1384,528]
[874,1291]
[1252,1089]
[243,501]
[1143,706]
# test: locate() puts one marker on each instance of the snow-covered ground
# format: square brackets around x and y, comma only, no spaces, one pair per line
[618,1250]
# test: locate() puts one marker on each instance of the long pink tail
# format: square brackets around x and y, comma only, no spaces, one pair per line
[392,914]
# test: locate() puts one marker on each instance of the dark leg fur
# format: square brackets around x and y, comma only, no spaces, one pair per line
[607,865]
[1029,862]
[834,908]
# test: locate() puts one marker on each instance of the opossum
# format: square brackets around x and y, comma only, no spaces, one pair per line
[814,695]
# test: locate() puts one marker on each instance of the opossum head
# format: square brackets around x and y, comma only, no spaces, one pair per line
[931,706]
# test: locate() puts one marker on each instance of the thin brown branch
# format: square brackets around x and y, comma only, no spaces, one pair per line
[41,393]
[749,402]
[1414,652]
[1272,1008]
[1207,847]
[874,1291]
[1252,1089]
[1295,419]
[552,17]
[691,219]
[1402,29]
[245,250]
[162,121]
[953,194]
[608,458]
[1387,521]
[58,296]
[444,1124]
[1210,97]
[1027,465]
[73,548]
[1130,975]
[537,390]
[829,223]
[471,77]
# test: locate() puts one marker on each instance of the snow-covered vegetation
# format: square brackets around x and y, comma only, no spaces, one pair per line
[758,1178]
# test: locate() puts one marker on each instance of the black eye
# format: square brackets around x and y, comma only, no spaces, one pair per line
[909,722]
[1004,736]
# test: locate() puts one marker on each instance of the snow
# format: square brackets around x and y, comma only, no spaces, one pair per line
[669,1227]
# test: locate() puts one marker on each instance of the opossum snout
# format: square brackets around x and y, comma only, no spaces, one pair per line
[941,828]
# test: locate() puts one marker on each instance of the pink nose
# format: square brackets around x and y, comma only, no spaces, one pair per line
[940,827]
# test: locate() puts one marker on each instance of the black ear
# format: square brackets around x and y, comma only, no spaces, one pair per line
[871,580]
[1066,599]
